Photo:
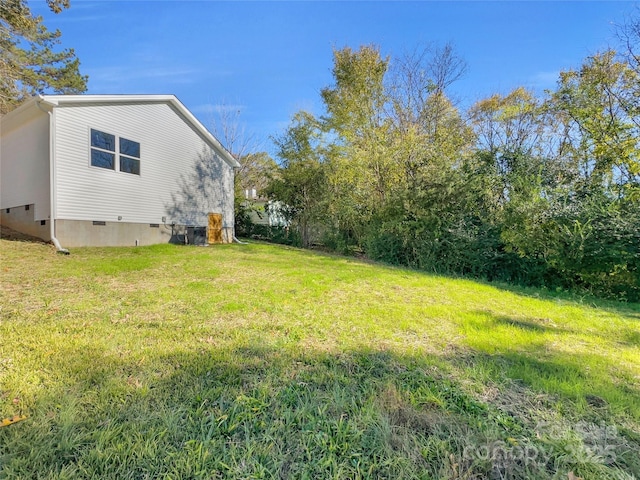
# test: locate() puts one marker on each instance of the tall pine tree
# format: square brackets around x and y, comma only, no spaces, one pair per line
[29,62]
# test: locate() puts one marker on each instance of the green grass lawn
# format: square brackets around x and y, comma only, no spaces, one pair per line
[261,361]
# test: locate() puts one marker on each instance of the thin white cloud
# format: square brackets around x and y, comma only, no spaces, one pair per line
[275,128]
[80,12]
[84,19]
[217,108]
[126,77]
[544,79]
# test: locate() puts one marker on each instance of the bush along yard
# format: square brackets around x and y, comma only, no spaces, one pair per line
[262,361]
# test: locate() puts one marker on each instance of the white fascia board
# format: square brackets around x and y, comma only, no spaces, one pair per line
[69,99]
[55,100]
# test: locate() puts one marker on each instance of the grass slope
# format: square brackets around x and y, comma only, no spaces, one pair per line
[260,361]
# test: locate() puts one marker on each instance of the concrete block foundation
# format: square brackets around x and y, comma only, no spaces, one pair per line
[82,233]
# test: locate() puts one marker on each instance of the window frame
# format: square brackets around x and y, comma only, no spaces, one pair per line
[93,148]
[117,155]
[128,156]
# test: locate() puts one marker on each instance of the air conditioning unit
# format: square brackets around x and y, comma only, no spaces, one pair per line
[197,235]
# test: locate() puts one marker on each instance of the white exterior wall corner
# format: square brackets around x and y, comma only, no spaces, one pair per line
[24,160]
[174,160]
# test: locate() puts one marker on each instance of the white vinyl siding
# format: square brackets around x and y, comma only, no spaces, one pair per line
[24,159]
[170,149]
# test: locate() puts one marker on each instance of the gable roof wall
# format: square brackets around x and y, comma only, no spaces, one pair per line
[53,101]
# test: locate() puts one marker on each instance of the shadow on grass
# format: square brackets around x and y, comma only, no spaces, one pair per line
[535,325]
[567,377]
[523,324]
[540,355]
[259,411]
[632,338]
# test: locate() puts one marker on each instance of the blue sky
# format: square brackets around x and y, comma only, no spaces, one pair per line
[270,59]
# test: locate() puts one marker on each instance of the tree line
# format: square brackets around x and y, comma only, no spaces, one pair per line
[534,190]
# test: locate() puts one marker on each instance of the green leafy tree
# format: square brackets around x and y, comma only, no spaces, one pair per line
[428,142]
[601,104]
[361,170]
[300,185]
[511,130]
[563,171]
[29,64]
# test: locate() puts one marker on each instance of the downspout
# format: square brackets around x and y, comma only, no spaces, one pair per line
[52,170]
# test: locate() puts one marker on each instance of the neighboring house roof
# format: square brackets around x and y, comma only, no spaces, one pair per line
[172,100]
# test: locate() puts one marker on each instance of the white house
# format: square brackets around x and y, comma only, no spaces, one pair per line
[112,170]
